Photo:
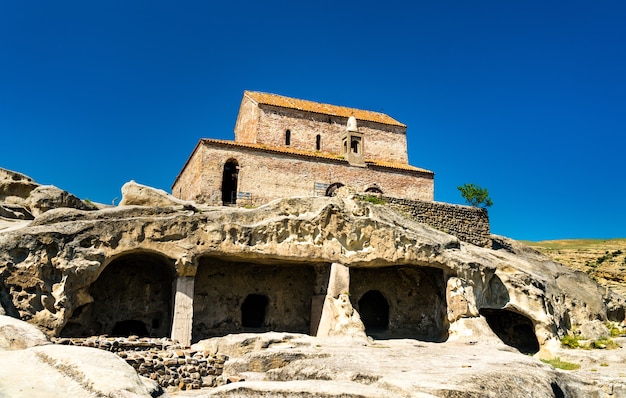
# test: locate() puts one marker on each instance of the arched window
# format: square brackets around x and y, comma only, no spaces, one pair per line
[253,311]
[229,182]
[374,189]
[332,189]
[288,137]
[354,145]
[318,142]
[374,311]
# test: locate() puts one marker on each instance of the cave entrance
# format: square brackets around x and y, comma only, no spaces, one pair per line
[513,329]
[253,311]
[132,296]
[130,328]
[401,302]
[374,311]
[241,296]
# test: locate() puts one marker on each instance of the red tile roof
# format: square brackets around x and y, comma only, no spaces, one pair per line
[316,107]
[311,154]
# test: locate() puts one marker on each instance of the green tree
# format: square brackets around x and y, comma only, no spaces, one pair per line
[475,195]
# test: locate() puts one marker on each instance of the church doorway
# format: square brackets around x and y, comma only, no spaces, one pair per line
[229,182]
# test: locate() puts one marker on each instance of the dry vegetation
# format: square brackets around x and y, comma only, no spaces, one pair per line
[603,259]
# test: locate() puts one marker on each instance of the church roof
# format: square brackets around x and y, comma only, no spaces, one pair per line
[310,154]
[316,107]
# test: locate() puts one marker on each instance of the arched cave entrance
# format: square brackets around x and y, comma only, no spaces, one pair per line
[332,188]
[229,182]
[374,311]
[132,296]
[513,329]
[401,302]
[253,311]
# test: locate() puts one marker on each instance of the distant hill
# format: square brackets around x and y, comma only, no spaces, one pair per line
[603,259]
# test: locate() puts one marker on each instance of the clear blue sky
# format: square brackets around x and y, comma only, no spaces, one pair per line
[525,98]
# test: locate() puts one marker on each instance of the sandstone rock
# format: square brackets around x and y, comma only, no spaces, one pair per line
[594,330]
[18,335]
[15,187]
[142,195]
[47,197]
[55,370]
[407,368]
[79,273]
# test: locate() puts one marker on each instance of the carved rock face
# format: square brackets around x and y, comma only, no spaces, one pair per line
[115,270]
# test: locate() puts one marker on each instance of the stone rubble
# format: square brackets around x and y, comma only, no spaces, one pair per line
[163,360]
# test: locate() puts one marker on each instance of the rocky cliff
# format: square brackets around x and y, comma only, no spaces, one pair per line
[335,267]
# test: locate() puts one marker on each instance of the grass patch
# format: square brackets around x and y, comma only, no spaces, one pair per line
[557,363]
[604,344]
[377,200]
[570,341]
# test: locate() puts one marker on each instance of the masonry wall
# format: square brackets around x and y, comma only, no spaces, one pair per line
[247,121]
[271,175]
[469,224]
[381,141]
[187,185]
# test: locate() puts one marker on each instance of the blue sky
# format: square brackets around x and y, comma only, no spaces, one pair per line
[525,98]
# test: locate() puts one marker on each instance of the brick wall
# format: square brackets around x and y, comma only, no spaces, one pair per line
[268,175]
[469,224]
[270,123]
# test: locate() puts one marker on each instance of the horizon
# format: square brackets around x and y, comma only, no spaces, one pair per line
[525,100]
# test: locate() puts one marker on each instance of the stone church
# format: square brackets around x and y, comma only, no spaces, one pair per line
[287,147]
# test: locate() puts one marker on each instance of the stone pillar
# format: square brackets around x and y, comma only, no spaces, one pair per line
[183,310]
[338,283]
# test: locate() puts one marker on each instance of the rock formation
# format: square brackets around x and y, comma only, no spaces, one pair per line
[314,265]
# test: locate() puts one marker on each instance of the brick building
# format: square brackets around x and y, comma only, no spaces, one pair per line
[287,147]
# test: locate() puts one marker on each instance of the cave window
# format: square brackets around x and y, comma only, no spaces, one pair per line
[130,327]
[318,142]
[374,311]
[253,311]
[288,137]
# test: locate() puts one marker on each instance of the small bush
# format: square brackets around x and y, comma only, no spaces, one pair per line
[604,344]
[571,341]
[557,363]
[377,200]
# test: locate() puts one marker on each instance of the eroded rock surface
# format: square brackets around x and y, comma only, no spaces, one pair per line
[335,267]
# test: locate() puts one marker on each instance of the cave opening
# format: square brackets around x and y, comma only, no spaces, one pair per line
[374,311]
[515,330]
[253,311]
[401,302]
[131,296]
[130,327]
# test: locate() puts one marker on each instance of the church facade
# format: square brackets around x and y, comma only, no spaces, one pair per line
[286,147]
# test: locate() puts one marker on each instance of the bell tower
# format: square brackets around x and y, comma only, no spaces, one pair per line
[352,147]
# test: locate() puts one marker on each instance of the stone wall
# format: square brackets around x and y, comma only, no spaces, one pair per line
[381,141]
[469,224]
[269,175]
[267,124]
[163,360]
